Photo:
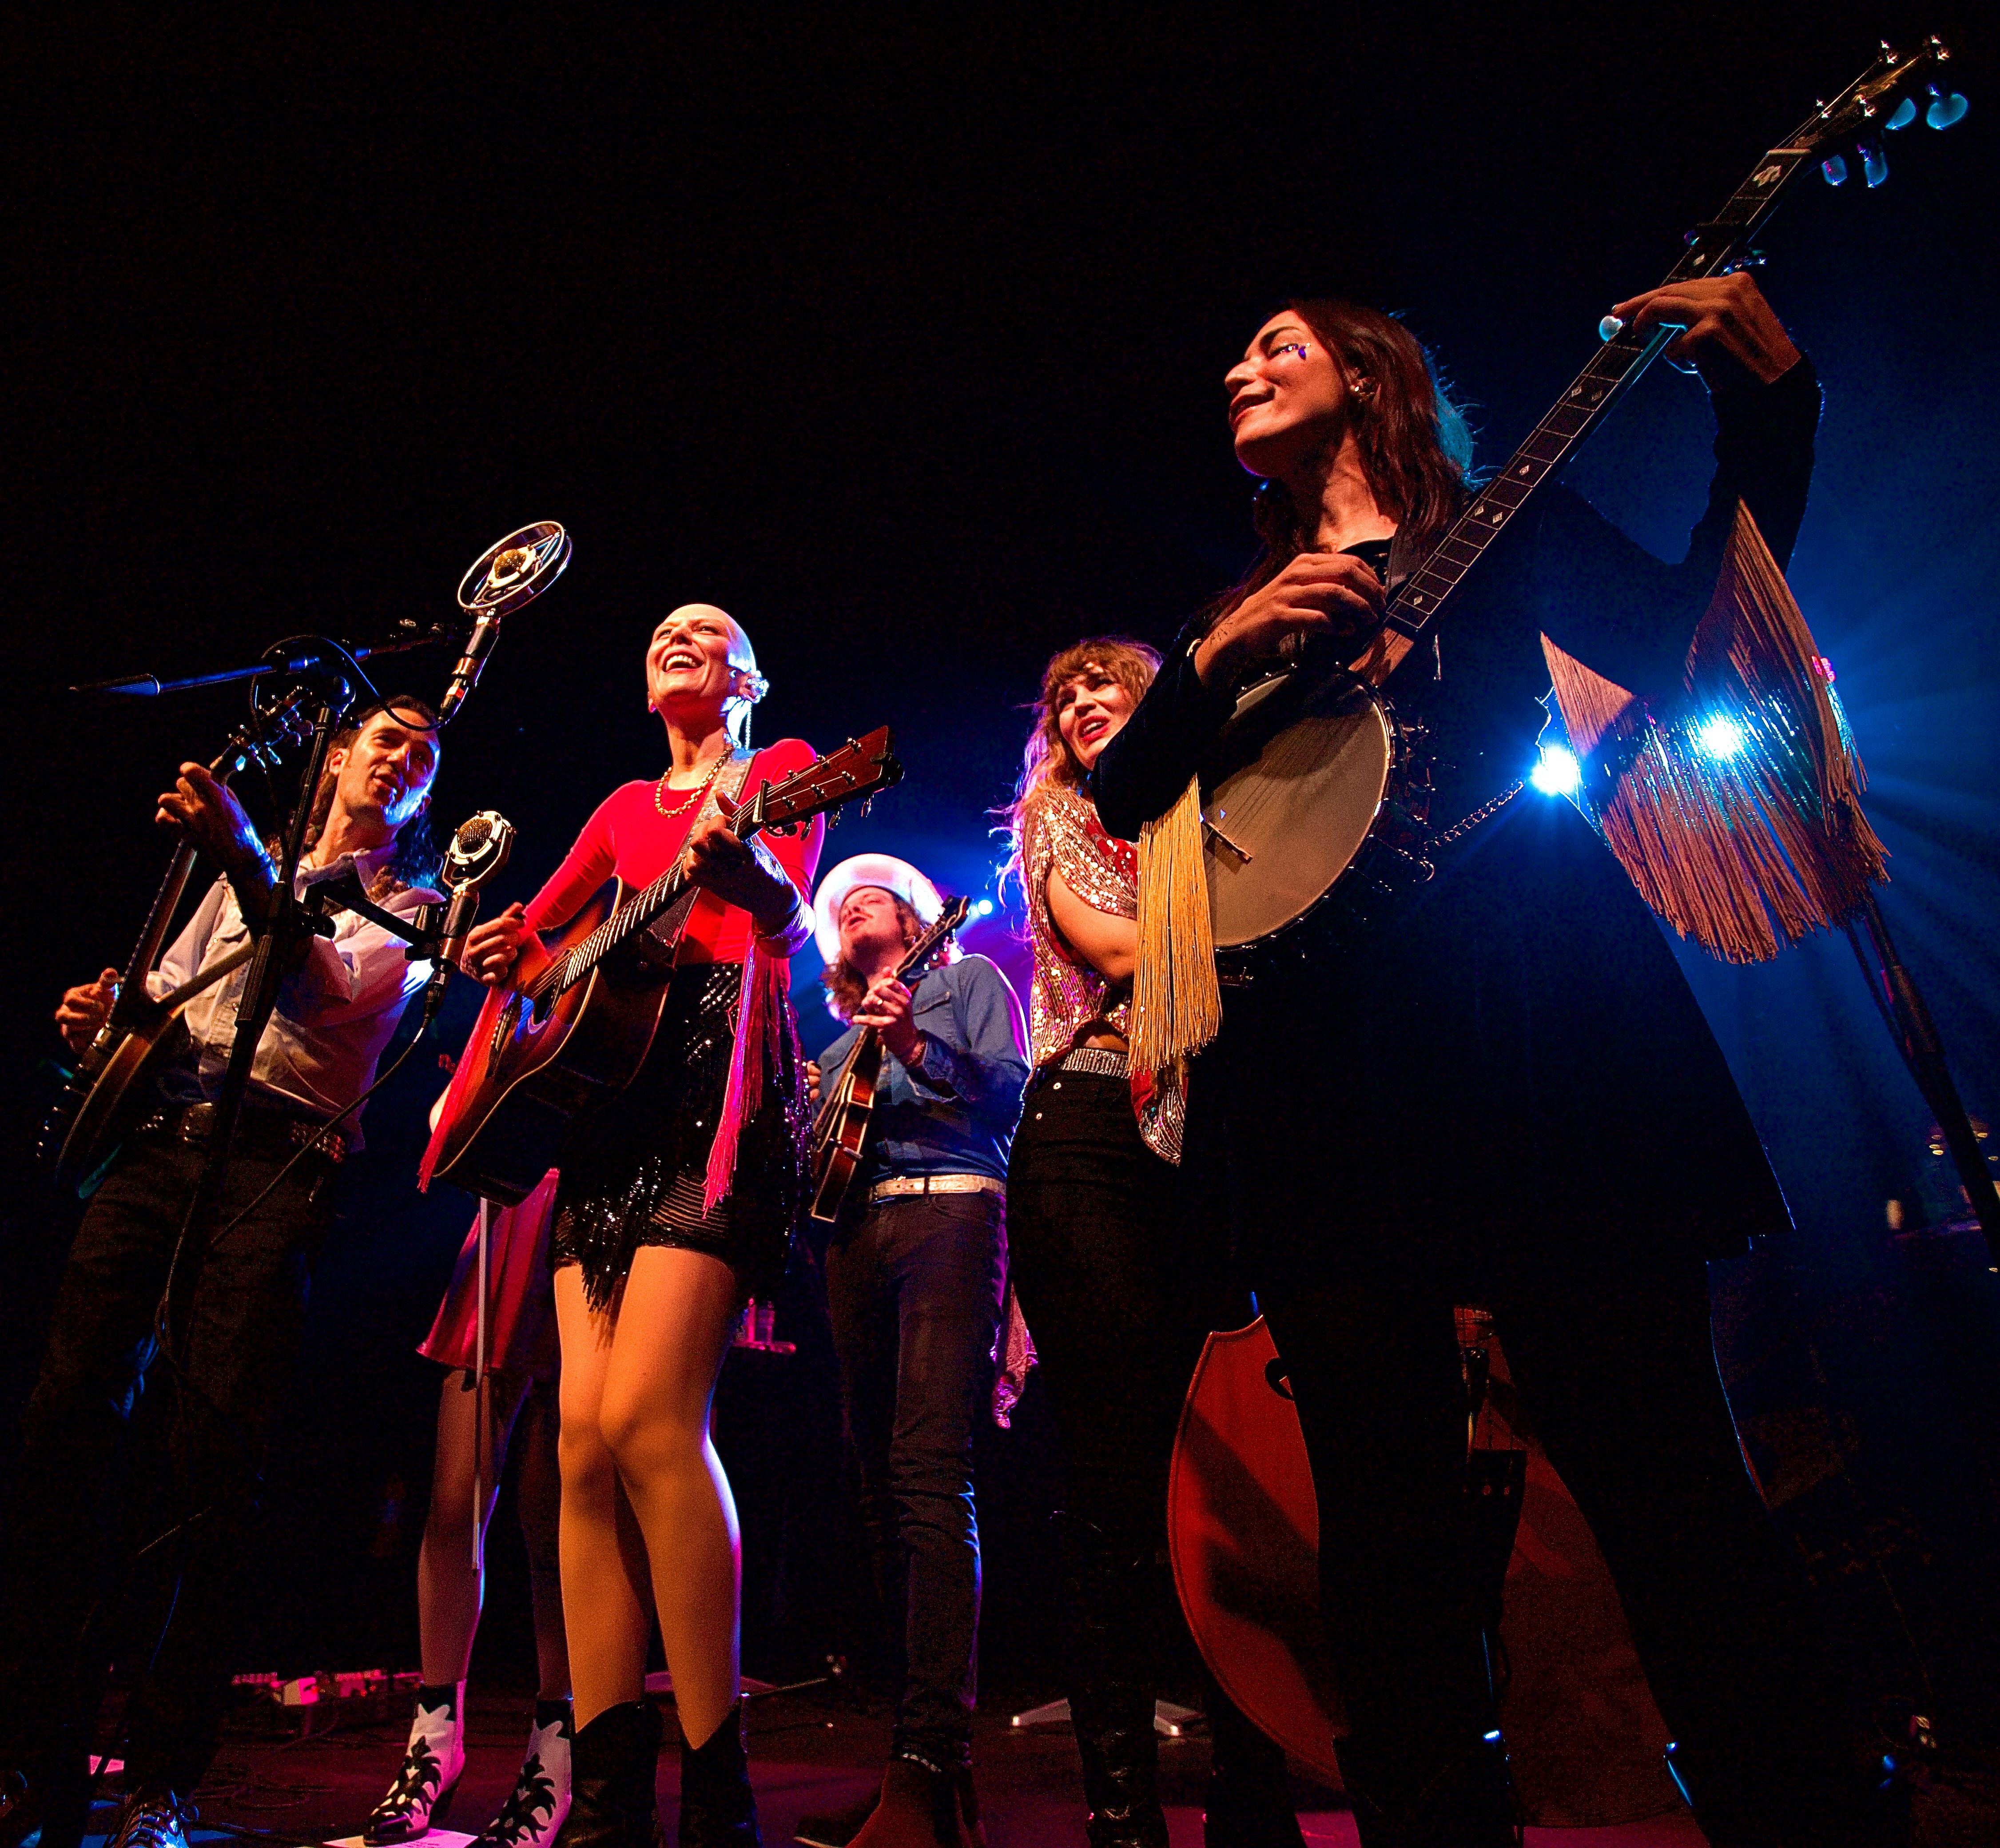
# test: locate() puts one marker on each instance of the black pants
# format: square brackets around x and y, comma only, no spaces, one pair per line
[913,1288]
[1611,1351]
[1120,1288]
[238,1312]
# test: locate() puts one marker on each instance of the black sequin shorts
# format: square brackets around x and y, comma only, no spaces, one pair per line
[635,1166]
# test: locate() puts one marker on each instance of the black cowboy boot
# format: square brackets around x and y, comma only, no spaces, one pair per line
[1249,1800]
[1121,1762]
[613,1764]
[1469,1803]
[1115,1616]
[718,1809]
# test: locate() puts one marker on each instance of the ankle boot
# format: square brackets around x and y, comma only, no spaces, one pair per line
[718,1809]
[1121,1758]
[1249,1801]
[614,1763]
[538,1802]
[920,1808]
[433,1761]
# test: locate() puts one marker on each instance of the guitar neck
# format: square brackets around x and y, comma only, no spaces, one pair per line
[159,915]
[1712,249]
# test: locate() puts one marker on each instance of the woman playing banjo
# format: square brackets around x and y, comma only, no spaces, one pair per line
[1494,1087]
[676,1200]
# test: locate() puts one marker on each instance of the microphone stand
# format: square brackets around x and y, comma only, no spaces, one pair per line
[1916,1035]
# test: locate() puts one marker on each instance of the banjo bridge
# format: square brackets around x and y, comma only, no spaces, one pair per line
[1241,852]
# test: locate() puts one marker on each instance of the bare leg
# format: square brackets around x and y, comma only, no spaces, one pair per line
[606,1600]
[674,1326]
[451,1586]
[537,1503]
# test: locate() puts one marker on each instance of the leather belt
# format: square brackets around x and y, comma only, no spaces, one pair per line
[195,1123]
[901,1187]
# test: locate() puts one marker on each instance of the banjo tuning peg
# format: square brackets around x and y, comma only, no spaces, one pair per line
[1944,109]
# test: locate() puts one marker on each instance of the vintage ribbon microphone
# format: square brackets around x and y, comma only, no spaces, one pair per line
[505,577]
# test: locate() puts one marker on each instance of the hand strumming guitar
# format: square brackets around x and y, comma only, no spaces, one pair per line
[886,1007]
[83,1010]
[502,950]
[715,858]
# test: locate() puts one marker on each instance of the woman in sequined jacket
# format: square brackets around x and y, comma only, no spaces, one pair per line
[1119,1291]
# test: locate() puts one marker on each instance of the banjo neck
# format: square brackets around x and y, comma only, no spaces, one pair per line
[1714,248]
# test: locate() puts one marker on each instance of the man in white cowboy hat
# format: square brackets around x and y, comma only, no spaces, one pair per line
[914,1272]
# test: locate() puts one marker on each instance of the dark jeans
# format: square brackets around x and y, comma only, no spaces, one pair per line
[913,1288]
[1119,1289]
[238,1310]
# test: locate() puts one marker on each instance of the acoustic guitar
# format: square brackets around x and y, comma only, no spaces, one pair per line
[113,1075]
[840,1132]
[1303,788]
[579,1031]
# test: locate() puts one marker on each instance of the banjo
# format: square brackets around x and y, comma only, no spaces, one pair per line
[1301,793]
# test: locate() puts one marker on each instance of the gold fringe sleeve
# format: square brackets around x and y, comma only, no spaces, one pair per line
[1737,814]
[1176,1001]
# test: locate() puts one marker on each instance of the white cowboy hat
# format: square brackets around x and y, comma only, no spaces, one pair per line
[882,870]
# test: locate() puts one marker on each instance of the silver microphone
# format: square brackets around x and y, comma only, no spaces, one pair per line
[505,576]
[465,675]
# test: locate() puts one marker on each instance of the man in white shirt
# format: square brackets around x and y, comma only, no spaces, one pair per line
[233,1304]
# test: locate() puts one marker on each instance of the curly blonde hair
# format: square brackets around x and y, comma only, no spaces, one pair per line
[1047,758]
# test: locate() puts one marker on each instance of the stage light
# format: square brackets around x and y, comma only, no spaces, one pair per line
[985,908]
[1557,772]
[1721,737]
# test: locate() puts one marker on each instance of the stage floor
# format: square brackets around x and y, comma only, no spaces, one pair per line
[807,1752]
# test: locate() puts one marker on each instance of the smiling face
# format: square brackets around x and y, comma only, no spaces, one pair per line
[699,660]
[1091,709]
[873,930]
[384,776]
[1289,400]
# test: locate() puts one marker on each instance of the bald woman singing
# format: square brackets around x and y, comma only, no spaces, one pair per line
[676,1202]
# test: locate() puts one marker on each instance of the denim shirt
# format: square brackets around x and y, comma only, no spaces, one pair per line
[956,1115]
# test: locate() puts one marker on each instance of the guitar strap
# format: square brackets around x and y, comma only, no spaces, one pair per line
[669,929]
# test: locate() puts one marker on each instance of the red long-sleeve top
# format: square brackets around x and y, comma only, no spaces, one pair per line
[629,836]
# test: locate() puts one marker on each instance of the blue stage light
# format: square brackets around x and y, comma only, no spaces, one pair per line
[1557,772]
[1721,737]
[983,907]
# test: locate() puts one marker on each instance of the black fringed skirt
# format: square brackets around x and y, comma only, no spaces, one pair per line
[635,1166]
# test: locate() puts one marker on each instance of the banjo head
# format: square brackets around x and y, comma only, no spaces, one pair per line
[1298,776]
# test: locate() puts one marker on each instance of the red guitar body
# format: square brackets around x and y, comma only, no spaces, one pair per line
[528,1067]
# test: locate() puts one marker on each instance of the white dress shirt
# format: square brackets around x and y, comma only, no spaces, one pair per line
[335,1014]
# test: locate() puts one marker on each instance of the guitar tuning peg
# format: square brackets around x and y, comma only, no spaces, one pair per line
[1906,113]
[1944,109]
[1834,168]
[1874,167]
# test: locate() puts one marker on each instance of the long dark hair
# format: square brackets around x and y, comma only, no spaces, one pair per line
[415,862]
[1415,443]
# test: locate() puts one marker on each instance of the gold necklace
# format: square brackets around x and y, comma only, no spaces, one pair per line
[693,798]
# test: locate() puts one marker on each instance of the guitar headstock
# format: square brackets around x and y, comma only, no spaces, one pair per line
[862,767]
[934,939]
[1887,97]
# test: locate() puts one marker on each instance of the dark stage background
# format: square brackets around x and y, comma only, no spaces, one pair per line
[905,345]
